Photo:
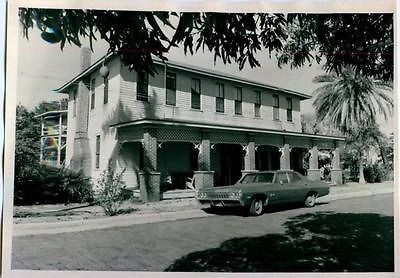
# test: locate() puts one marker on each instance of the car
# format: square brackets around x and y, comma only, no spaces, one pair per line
[256,190]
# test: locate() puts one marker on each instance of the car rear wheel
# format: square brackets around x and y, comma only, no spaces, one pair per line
[256,207]
[310,200]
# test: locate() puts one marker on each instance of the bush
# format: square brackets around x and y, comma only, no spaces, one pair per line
[110,191]
[375,172]
[47,185]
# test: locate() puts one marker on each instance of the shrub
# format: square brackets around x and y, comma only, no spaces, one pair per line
[375,172]
[47,185]
[110,191]
[75,186]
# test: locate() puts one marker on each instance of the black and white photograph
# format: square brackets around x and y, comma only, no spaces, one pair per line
[200,140]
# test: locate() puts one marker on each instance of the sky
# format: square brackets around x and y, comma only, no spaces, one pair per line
[43,67]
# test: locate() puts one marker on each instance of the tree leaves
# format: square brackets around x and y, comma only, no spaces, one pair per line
[363,41]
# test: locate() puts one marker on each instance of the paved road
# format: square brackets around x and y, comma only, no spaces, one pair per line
[336,231]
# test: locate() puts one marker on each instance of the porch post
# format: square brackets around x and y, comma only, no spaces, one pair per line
[313,172]
[204,177]
[336,172]
[250,156]
[149,178]
[285,157]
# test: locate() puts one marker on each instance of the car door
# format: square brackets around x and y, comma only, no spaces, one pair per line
[266,186]
[299,187]
[283,195]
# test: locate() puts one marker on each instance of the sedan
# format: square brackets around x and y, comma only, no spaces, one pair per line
[255,191]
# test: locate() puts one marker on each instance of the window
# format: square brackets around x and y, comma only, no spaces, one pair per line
[105,99]
[289,109]
[74,96]
[294,177]
[97,151]
[170,97]
[93,96]
[257,105]
[196,92]
[220,99]
[281,178]
[276,107]
[264,177]
[142,88]
[238,101]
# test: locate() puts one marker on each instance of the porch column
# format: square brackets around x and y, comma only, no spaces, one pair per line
[313,172]
[250,157]
[149,178]
[285,157]
[204,177]
[336,172]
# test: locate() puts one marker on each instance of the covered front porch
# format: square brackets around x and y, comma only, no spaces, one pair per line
[171,155]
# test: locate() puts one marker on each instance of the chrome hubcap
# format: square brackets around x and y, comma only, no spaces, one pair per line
[258,206]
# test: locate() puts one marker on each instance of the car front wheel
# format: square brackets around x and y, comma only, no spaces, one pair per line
[256,207]
[310,200]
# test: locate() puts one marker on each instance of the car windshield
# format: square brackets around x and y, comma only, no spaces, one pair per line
[249,178]
[258,178]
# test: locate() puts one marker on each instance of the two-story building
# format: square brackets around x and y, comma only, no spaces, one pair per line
[184,121]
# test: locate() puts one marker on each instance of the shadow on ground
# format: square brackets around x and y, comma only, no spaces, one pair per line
[323,241]
[240,211]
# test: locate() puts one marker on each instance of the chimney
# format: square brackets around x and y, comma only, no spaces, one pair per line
[86,58]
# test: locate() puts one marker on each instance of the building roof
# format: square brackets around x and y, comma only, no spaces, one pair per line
[185,67]
[52,113]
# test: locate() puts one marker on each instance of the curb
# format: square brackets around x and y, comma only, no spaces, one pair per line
[128,220]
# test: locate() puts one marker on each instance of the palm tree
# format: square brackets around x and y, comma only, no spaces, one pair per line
[349,99]
[351,102]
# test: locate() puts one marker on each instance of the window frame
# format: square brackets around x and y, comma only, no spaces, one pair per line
[97,153]
[289,109]
[74,104]
[142,83]
[195,94]
[92,93]
[105,90]
[238,101]
[275,107]
[168,90]
[257,105]
[220,98]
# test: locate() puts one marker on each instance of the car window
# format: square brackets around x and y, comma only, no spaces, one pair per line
[281,177]
[294,177]
[264,177]
[249,178]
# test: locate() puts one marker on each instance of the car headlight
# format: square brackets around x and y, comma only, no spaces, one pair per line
[201,195]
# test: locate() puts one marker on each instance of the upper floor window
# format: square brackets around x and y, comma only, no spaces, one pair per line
[171,89]
[276,107]
[257,105]
[289,113]
[92,94]
[74,97]
[142,88]
[238,101]
[196,92]
[97,151]
[105,98]
[220,98]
